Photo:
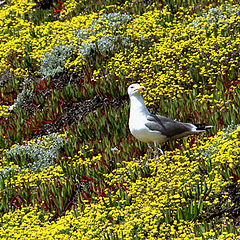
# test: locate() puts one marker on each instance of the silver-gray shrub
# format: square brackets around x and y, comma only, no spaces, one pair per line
[217,16]
[7,171]
[43,151]
[104,45]
[24,95]
[87,49]
[53,62]
[213,149]
[114,21]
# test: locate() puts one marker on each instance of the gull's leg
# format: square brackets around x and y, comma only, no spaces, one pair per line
[155,155]
[150,149]
[149,146]
[157,149]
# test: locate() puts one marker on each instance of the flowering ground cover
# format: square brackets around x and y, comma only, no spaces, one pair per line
[69,168]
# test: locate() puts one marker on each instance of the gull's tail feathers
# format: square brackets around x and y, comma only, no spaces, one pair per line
[202,127]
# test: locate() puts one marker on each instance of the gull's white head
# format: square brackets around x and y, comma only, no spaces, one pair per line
[134,89]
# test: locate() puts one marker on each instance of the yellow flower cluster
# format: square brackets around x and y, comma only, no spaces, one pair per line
[27,39]
[68,7]
[29,178]
[25,176]
[4,110]
[87,161]
[176,58]
[145,204]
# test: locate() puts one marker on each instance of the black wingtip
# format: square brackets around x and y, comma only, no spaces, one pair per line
[202,126]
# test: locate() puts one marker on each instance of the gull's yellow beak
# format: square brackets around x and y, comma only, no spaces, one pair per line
[141,88]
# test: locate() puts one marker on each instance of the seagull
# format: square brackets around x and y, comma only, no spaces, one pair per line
[156,129]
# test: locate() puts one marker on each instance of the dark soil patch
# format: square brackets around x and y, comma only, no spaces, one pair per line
[73,112]
[44,4]
[5,77]
[232,212]
[58,82]
[234,196]
[65,78]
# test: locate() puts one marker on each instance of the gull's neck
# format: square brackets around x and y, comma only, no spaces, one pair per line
[138,107]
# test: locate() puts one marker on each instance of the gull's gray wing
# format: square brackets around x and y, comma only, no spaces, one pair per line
[166,126]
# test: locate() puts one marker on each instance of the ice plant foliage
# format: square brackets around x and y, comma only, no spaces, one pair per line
[69,168]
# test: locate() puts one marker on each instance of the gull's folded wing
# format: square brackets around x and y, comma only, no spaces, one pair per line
[166,126]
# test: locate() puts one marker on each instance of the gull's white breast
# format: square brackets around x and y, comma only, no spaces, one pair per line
[141,132]
[138,119]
